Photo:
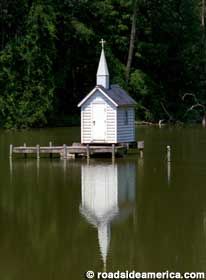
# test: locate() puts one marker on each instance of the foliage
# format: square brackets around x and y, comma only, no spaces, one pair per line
[142,89]
[49,53]
[26,77]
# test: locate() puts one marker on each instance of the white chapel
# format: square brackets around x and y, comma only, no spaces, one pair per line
[107,112]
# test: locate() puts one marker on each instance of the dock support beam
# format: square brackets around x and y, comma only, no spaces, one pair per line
[50,145]
[38,151]
[25,155]
[127,145]
[88,152]
[65,151]
[113,151]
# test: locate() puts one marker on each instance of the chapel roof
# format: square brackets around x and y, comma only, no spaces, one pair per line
[115,94]
[119,95]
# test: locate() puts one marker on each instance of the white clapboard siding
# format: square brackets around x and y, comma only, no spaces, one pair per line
[86,128]
[116,130]
[125,132]
[111,123]
[86,118]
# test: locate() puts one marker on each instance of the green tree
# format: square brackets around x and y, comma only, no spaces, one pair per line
[168,51]
[26,79]
[49,53]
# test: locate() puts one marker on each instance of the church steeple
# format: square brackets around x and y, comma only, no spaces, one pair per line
[102,72]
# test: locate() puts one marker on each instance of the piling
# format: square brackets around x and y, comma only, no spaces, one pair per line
[65,151]
[113,151]
[10,167]
[88,152]
[65,167]
[10,150]
[140,146]
[127,145]
[25,155]
[168,153]
[38,151]
[50,145]
[37,169]
[168,172]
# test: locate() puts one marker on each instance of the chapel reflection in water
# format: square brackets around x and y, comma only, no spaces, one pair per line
[107,194]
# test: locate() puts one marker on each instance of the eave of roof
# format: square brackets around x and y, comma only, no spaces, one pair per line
[92,92]
[115,94]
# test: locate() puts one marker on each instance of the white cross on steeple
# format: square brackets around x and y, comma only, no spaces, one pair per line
[102,42]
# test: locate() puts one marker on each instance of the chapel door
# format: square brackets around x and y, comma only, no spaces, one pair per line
[98,122]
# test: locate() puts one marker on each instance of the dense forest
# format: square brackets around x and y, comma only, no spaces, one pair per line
[49,52]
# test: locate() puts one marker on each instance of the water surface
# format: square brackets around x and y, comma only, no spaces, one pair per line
[59,219]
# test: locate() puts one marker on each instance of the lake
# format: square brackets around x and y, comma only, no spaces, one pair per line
[59,219]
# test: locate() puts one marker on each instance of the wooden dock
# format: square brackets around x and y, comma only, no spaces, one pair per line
[72,151]
[66,152]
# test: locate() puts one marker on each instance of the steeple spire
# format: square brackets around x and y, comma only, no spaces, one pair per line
[102,72]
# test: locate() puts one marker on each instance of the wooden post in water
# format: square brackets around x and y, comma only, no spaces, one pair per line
[88,152]
[65,166]
[25,155]
[168,172]
[10,166]
[65,151]
[37,166]
[140,146]
[113,151]
[127,145]
[168,153]
[38,151]
[10,150]
[50,145]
